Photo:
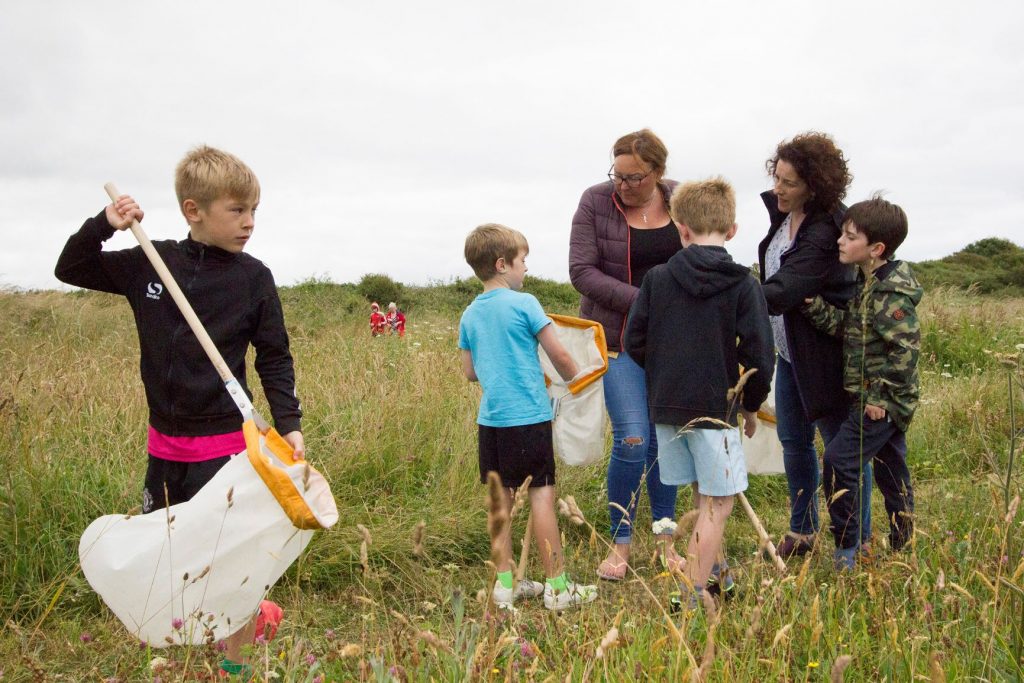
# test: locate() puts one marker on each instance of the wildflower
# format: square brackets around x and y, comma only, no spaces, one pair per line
[260,639]
[221,646]
[85,638]
[329,635]
[526,650]
[664,526]
[177,623]
[310,659]
[812,665]
[318,679]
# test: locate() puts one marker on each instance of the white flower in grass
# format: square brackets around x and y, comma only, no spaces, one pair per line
[663,526]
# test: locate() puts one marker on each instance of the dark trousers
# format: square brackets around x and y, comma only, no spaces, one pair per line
[860,440]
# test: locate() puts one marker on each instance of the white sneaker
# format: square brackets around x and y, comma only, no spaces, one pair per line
[504,597]
[574,594]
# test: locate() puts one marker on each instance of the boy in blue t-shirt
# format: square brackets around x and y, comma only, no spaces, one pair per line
[498,336]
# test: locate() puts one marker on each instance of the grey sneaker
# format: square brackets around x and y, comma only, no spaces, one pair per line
[573,595]
[504,597]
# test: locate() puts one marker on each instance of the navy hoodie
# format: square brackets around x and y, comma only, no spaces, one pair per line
[236,301]
[697,319]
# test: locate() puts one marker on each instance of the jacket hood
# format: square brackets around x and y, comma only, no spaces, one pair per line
[902,281]
[705,271]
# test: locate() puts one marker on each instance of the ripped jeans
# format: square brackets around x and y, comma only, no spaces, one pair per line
[634,449]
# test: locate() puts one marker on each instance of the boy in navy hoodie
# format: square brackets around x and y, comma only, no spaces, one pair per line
[697,319]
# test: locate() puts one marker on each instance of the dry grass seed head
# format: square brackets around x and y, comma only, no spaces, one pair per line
[608,642]
[365,534]
[740,383]
[839,667]
[521,496]
[417,538]
[685,524]
[568,508]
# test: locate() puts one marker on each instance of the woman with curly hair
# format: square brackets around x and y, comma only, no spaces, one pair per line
[799,259]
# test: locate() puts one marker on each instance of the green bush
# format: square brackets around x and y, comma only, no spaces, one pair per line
[380,288]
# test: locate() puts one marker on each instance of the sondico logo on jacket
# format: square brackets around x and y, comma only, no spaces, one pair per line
[154,290]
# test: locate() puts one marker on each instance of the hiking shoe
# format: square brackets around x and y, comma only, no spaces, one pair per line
[504,597]
[574,594]
[792,546]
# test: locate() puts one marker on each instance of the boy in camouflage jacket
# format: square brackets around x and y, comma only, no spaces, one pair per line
[881,342]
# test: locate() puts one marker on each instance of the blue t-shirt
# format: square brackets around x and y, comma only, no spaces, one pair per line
[500,330]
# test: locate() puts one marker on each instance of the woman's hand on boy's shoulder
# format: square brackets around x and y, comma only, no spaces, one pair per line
[297,443]
[121,213]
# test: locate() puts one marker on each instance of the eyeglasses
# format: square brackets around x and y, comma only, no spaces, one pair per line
[632,180]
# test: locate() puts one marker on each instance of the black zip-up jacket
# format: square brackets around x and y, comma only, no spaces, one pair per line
[235,299]
[810,267]
[683,330]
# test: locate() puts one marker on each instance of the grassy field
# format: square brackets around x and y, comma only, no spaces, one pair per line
[390,422]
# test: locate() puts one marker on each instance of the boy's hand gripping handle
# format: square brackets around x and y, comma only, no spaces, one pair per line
[230,383]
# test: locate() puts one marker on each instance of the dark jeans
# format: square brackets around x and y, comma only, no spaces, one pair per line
[861,440]
[800,458]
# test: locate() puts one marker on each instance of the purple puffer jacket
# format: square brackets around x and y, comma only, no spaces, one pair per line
[599,265]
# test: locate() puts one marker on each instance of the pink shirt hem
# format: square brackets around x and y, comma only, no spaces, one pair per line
[194,448]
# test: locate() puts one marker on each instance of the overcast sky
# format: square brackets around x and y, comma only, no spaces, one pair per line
[383,132]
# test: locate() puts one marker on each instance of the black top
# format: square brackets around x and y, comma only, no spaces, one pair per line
[236,301]
[697,319]
[651,247]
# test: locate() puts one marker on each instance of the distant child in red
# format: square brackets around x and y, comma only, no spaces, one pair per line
[378,323]
[395,319]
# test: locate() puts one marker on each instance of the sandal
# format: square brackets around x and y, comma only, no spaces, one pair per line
[612,571]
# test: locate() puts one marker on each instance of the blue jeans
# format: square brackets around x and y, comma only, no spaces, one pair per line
[800,459]
[634,449]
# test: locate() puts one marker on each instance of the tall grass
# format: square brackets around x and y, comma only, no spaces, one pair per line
[391,423]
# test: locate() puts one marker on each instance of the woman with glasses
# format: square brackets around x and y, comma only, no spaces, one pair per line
[799,259]
[620,231]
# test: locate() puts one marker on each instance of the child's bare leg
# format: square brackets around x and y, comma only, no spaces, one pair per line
[545,530]
[706,540]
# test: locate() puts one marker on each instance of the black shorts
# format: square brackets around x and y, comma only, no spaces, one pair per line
[516,453]
[181,479]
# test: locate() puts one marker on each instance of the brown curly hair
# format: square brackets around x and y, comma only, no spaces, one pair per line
[819,163]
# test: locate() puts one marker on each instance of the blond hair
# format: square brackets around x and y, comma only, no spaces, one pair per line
[490,242]
[704,206]
[206,174]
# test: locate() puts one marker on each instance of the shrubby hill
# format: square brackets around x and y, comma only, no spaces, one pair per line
[445,297]
[991,265]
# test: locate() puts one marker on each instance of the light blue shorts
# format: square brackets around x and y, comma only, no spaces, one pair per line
[711,457]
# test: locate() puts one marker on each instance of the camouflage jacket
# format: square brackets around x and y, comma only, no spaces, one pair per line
[881,340]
